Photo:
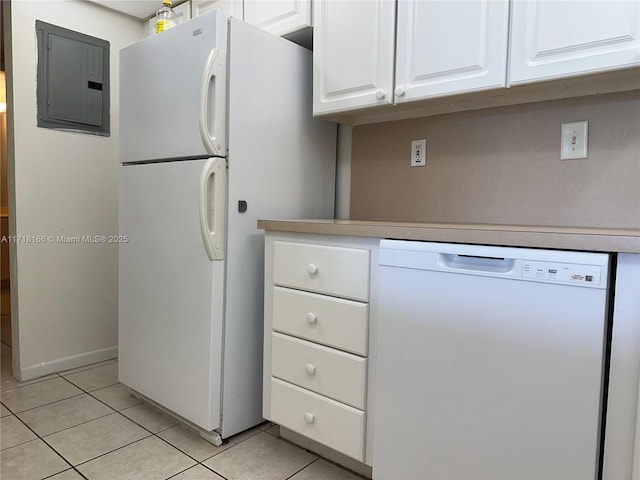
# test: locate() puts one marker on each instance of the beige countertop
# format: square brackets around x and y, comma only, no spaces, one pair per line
[568,238]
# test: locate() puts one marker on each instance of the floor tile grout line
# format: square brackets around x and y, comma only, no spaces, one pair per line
[33,381]
[112,385]
[193,458]
[212,470]
[113,411]
[139,424]
[89,391]
[43,438]
[102,401]
[47,404]
[77,425]
[178,448]
[54,401]
[102,454]
[86,368]
[45,442]
[181,472]
[151,434]
[11,411]
[62,374]
[307,465]
[72,468]
[21,443]
[197,462]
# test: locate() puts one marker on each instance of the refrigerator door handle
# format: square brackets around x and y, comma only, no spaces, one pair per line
[213,105]
[213,196]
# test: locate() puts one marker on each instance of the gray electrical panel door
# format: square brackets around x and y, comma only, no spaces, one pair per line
[73,80]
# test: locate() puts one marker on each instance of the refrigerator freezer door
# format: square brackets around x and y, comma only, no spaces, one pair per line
[171,293]
[173,93]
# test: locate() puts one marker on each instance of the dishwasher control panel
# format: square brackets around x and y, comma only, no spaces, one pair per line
[562,272]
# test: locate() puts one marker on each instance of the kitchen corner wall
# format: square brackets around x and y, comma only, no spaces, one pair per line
[65,306]
[502,165]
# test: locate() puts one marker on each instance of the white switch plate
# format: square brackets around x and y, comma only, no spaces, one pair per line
[419,152]
[574,140]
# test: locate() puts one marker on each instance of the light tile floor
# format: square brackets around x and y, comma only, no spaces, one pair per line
[83,424]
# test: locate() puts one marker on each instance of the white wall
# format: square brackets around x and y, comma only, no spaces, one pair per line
[65,184]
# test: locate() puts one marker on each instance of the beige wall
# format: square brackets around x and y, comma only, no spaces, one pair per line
[63,184]
[502,165]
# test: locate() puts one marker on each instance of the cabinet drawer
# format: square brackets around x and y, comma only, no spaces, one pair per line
[338,271]
[324,420]
[331,321]
[329,372]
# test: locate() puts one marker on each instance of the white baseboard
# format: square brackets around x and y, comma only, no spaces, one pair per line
[66,363]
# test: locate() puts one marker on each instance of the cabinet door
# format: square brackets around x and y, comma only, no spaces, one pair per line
[446,47]
[182,11]
[279,17]
[232,7]
[563,39]
[352,54]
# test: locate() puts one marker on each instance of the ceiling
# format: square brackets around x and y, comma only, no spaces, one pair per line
[142,9]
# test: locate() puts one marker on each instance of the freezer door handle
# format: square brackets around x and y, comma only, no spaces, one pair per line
[213,197]
[213,106]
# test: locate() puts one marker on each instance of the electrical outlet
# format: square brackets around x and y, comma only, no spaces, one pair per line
[574,140]
[418,153]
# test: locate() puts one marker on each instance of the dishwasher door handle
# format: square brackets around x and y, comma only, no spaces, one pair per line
[476,263]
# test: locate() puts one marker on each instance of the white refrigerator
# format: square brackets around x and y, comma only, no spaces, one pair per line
[216,131]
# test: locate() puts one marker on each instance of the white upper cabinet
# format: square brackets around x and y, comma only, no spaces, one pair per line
[446,47]
[279,17]
[232,7]
[555,39]
[353,54]
[441,48]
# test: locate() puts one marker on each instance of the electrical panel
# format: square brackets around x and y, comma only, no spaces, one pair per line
[73,80]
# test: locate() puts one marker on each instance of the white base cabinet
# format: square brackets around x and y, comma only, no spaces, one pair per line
[319,334]
[319,418]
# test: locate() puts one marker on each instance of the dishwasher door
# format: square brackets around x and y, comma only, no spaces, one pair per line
[490,363]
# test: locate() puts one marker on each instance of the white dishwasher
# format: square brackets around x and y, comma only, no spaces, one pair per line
[490,364]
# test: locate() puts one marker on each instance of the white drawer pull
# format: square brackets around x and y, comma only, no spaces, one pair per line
[310,369]
[311,317]
[312,269]
[309,418]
